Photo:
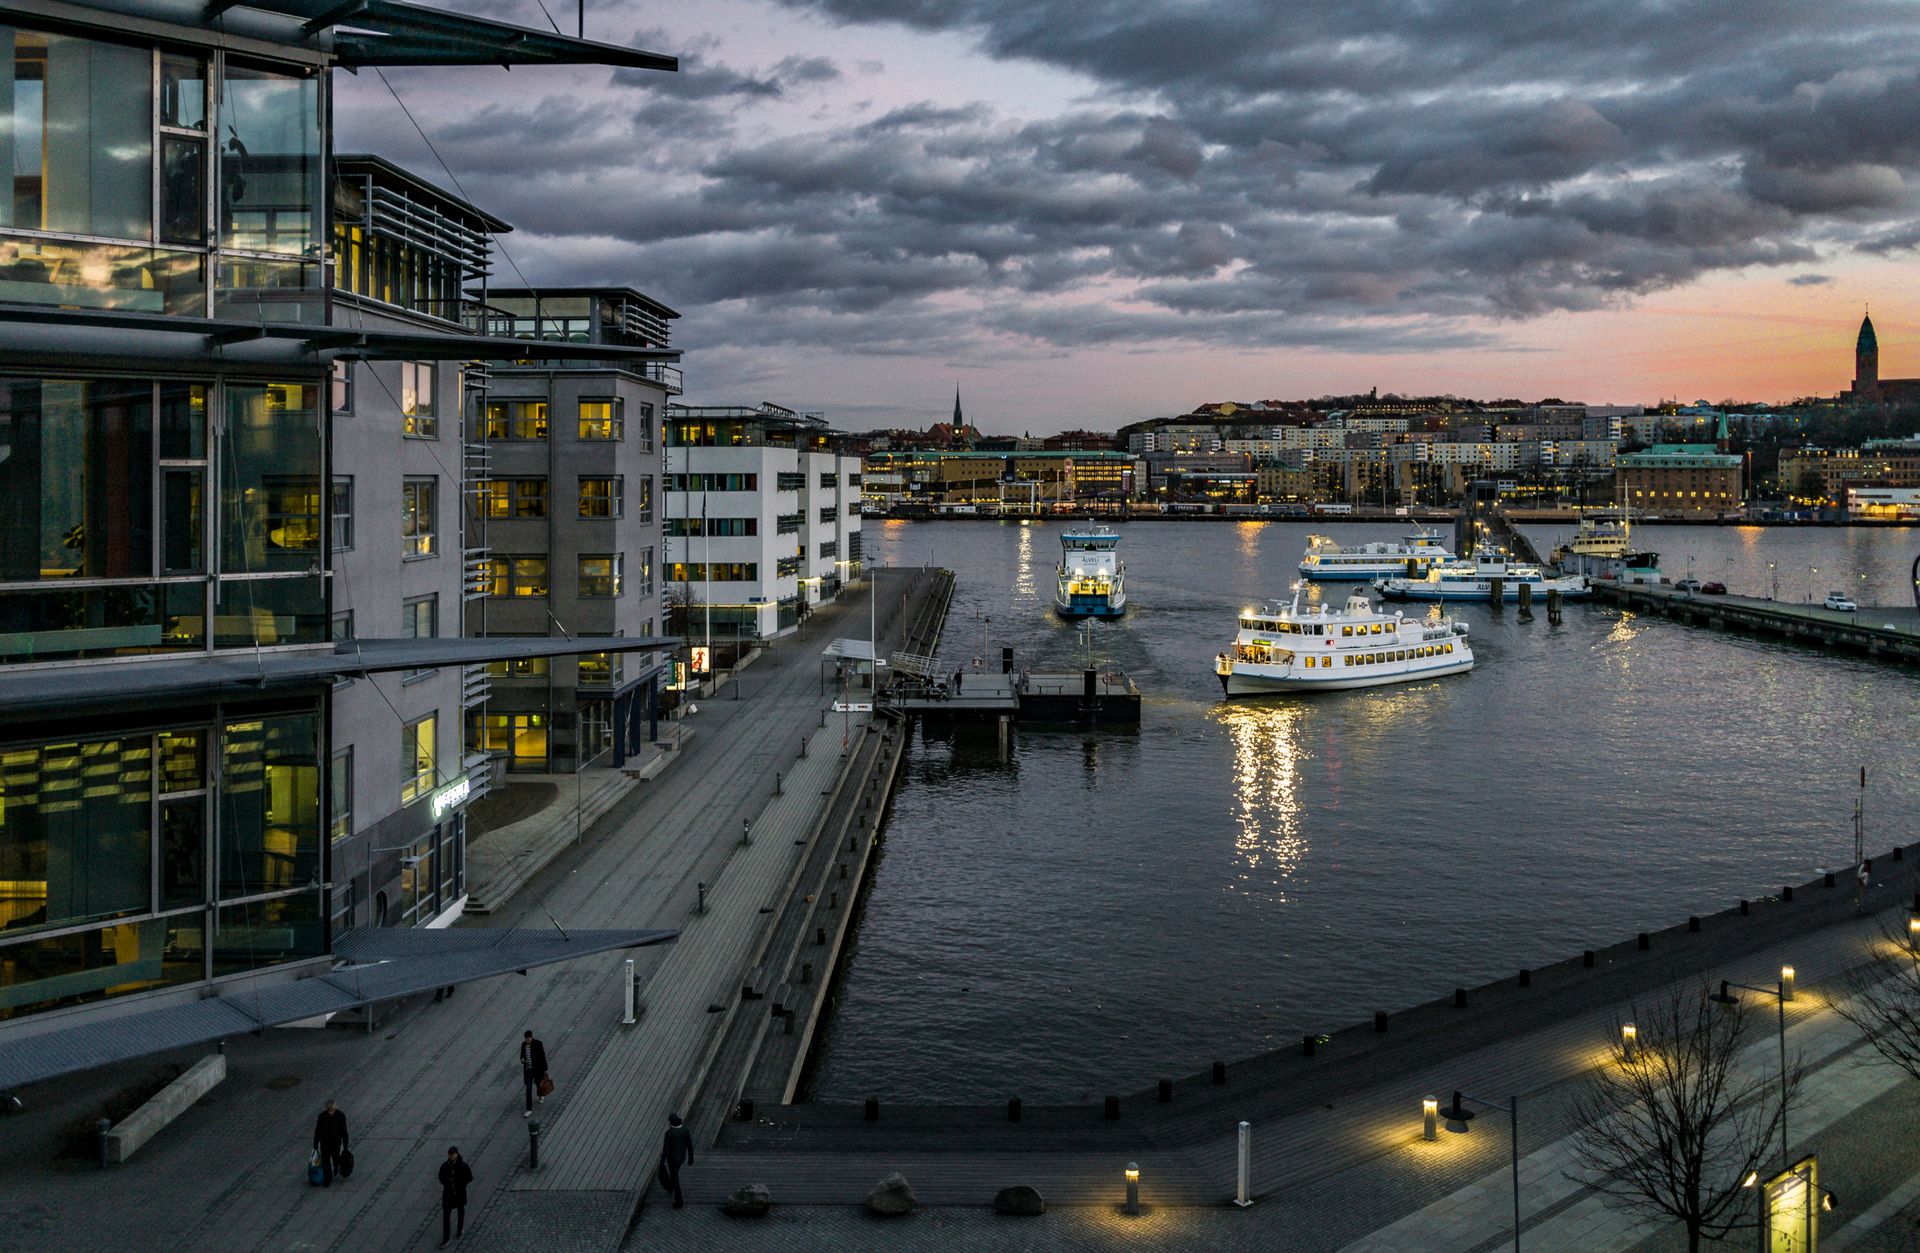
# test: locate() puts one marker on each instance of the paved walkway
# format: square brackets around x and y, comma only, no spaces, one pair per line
[230,1174]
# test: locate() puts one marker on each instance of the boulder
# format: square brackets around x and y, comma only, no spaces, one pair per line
[893,1195]
[751,1201]
[1020,1201]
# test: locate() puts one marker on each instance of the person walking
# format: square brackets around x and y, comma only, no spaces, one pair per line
[674,1153]
[329,1141]
[455,1175]
[956,682]
[533,1068]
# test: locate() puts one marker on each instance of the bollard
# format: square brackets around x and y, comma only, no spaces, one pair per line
[1306,1046]
[803,746]
[626,1019]
[1645,941]
[1526,978]
[820,935]
[1827,879]
[1899,854]
[1133,1188]
[1166,1091]
[1745,907]
[833,900]
[776,783]
[1219,1072]
[745,1112]
[1586,959]
[533,1145]
[702,888]
[1013,1110]
[873,1109]
[1693,922]
[1786,983]
[1459,998]
[1786,893]
[104,1127]
[1111,1107]
[1246,1162]
[843,870]
[806,972]
[746,830]
[786,1020]
[1380,1020]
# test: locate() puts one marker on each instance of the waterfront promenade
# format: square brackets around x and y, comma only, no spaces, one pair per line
[230,1173]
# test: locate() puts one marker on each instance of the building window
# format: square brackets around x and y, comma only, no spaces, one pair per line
[341,625]
[828,478]
[519,668]
[517,576]
[827,513]
[713,482]
[717,572]
[418,413]
[420,618]
[340,794]
[512,498]
[600,419]
[830,548]
[790,481]
[340,514]
[600,576]
[596,728]
[599,670]
[342,386]
[643,576]
[602,497]
[520,738]
[643,433]
[419,518]
[416,758]
[516,420]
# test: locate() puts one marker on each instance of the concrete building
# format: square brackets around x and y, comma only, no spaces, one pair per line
[566,495]
[763,518]
[1679,481]
[1884,504]
[226,438]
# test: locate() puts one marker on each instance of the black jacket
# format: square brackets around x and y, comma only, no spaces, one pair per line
[330,1130]
[538,1062]
[454,1178]
[678,1147]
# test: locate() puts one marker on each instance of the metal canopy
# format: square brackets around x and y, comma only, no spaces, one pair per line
[376,964]
[387,32]
[365,345]
[245,672]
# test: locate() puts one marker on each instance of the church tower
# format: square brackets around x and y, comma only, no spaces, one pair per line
[1866,362]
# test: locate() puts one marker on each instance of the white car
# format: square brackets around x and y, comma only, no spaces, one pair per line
[1840,602]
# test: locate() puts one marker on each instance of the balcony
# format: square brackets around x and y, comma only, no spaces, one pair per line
[668,376]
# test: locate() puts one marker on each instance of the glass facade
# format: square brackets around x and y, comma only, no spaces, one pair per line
[120,854]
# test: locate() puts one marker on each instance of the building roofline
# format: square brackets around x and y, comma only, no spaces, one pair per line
[343,161]
[632,293]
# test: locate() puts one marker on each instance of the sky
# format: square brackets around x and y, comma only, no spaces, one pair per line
[1084,212]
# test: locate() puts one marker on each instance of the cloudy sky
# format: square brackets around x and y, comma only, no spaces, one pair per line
[1087,211]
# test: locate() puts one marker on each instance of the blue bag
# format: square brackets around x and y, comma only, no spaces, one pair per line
[315,1175]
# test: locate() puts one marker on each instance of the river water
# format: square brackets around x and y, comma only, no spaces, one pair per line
[1106,907]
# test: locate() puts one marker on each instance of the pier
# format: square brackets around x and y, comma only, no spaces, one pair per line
[1891,634]
[1090,696]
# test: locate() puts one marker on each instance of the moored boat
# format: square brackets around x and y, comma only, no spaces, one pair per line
[1092,578]
[1281,647]
[1326,561]
[1488,575]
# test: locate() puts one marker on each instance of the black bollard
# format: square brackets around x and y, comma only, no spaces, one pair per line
[776,783]
[1745,907]
[1827,879]
[803,746]
[1379,1020]
[873,1109]
[820,935]
[1459,998]
[745,1112]
[702,889]
[833,900]
[1645,941]
[1899,854]
[1786,892]
[1526,978]
[1219,1072]
[1166,1091]
[1306,1046]
[1112,1109]
[533,1145]
[1013,1110]
[843,870]
[1586,959]
[1693,922]
[806,972]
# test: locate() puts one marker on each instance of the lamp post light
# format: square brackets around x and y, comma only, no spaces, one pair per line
[1459,1116]
[1430,1118]
[1133,1187]
[1630,1042]
[1726,998]
[1786,983]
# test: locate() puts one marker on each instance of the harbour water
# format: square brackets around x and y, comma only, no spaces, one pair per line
[1106,907]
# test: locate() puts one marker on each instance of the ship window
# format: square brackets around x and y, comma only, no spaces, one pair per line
[1346,630]
[1347,660]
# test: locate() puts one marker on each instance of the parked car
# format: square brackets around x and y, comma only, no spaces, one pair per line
[1714,589]
[1687,585]
[1840,602]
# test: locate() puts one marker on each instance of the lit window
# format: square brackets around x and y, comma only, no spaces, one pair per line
[416,758]
[601,419]
[417,402]
[419,518]
[600,575]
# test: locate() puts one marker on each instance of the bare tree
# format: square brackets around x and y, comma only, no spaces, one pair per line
[1675,1129]
[681,604]
[1882,1000]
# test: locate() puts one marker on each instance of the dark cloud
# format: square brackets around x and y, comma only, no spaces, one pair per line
[1383,175]
[1811,280]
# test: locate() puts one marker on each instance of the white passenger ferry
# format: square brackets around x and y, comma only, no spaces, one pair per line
[1326,561]
[1092,580]
[1283,648]
[1477,579]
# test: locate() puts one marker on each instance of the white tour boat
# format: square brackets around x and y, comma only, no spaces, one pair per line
[1478,578]
[1283,648]
[1327,561]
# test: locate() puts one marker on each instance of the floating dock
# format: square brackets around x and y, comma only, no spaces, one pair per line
[1892,634]
[1104,697]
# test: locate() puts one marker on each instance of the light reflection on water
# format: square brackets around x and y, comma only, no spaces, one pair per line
[1104,907]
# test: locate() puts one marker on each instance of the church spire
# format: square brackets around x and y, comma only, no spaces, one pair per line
[1866,361]
[959,420]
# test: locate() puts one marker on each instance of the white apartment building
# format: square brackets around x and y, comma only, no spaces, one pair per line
[762,508]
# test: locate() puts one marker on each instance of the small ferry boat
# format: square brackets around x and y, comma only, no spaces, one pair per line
[1092,576]
[1327,561]
[1283,648]
[1477,579]
[1603,549]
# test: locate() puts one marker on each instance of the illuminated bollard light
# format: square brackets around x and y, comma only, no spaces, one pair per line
[1430,1118]
[1133,1187]
[1630,1042]
[1786,983]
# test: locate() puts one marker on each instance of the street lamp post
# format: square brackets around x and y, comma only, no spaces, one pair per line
[1779,992]
[1458,1116]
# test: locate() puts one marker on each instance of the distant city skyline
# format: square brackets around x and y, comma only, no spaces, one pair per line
[1086,214]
